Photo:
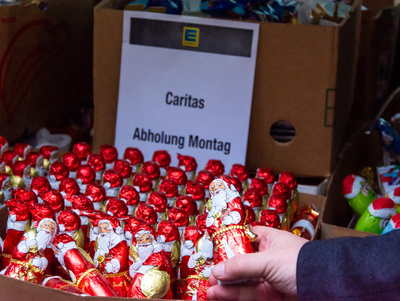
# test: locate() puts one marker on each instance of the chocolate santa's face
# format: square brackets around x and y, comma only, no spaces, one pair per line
[144,239]
[7,189]
[216,185]
[40,166]
[49,227]
[104,228]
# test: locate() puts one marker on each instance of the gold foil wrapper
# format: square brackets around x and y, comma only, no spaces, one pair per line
[17,182]
[155,284]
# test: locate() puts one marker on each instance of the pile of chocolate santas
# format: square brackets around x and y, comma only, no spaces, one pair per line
[102,225]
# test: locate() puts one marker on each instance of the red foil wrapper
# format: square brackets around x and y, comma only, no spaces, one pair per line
[216,167]
[267,174]
[253,197]
[109,153]
[278,202]
[86,174]
[189,163]
[69,186]
[305,222]
[53,199]
[123,167]
[82,149]
[240,171]
[49,152]
[59,170]
[142,181]
[26,196]
[71,160]
[177,175]
[250,215]
[205,177]
[19,168]
[96,161]
[196,190]
[187,203]
[9,157]
[231,180]
[152,169]
[169,187]
[162,157]
[113,177]
[289,179]
[129,194]
[270,218]
[58,283]
[34,159]
[82,271]
[116,207]
[133,155]
[282,189]
[178,216]
[158,201]
[22,149]
[147,213]
[260,185]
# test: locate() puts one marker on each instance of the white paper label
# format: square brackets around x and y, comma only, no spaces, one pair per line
[186,86]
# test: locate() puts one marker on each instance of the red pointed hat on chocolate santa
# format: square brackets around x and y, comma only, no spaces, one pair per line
[69,186]
[176,174]
[48,151]
[187,203]
[129,194]
[19,209]
[85,174]
[59,170]
[96,192]
[109,153]
[26,196]
[205,177]
[178,216]
[81,203]
[196,190]
[33,158]
[21,168]
[82,149]
[187,163]
[259,184]
[270,218]
[96,161]
[71,160]
[158,201]
[162,157]
[53,199]
[9,157]
[266,173]
[41,212]
[68,221]
[112,179]
[168,187]
[167,231]
[40,184]
[216,167]
[143,182]
[288,178]
[193,234]
[252,197]
[152,169]
[240,171]
[123,167]
[116,207]
[133,155]
[146,213]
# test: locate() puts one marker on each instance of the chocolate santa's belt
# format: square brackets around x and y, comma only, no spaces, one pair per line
[121,274]
[86,273]
[233,227]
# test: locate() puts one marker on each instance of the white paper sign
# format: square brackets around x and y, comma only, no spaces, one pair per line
[186,86]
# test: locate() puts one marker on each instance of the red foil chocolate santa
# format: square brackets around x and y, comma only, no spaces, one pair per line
[170,189]
[116,207]
[152,169]
[36,161]
[225,222]
[96,193]
[163,159]
[85,175]
[147,213]
[110,154]
[267,174]
[205,177]
[135,158]
[50,154]
[31,259]
[5,187]
[83,150]
[40,184]
[242,173]
[68,188]
[253,198]
[112,182]
[143,184]
[58,171]
[130,196]
[63,285]
[189,165]
[197,191]
[80,267]
[72,161]
[98,164]
[178,175]
[216,167]
[158,201]
[150,269]
[26,196]
[187,203]
[111,255]
[196,264]
[124,168]
[18,219]
[22,175]
[22,149]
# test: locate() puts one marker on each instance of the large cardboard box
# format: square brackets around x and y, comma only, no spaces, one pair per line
[45,64]
[12,289]
[304,76]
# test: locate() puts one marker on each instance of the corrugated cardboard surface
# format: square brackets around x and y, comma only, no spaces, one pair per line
[45,64]
[16,290]
[304,75]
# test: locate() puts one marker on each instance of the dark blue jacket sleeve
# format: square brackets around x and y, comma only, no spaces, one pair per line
[350,268]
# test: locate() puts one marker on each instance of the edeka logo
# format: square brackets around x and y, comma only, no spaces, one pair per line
[190,36]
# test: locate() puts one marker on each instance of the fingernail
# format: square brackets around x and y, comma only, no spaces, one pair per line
[219,270]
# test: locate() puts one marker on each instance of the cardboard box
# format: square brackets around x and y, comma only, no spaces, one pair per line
[12,289]
[304,75]
[363,150]
[377,49]
[45,64]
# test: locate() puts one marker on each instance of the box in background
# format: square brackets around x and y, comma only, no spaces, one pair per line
[304,76]
[45,64]
[363,150]
[377,49]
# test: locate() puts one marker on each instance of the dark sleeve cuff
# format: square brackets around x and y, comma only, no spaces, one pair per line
[350,268]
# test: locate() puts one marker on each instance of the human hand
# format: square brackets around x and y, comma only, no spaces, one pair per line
[267,274]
